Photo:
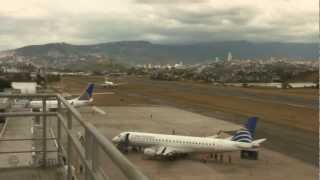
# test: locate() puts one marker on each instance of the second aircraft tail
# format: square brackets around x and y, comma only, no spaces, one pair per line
[246,134]
[87,94]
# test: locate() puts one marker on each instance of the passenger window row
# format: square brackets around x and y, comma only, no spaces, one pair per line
[171,141]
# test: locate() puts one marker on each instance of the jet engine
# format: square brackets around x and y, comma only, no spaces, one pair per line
[149,152]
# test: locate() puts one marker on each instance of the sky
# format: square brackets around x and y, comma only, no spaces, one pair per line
[158,21]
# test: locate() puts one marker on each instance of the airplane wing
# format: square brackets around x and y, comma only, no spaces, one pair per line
[214,136]
[222,135]
[108,85]
[170,151]
[122,83]
[103,84]
[98,110]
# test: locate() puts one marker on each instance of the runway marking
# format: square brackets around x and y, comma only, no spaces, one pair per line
[100,93]
[277,102]
[103,93]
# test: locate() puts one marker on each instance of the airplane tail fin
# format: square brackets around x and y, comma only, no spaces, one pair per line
[251,125]
[256,143]
[87,94]
[246,134]
[252,146]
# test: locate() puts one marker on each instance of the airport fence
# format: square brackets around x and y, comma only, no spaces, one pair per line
[80,156]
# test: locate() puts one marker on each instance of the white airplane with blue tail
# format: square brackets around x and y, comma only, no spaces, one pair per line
[170,146]
[83,100]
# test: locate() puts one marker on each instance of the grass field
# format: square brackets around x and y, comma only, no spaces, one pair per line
[292,107]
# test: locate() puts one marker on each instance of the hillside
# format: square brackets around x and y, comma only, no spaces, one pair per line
[135,52]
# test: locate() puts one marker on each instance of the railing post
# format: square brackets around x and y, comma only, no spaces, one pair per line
[69,119]
[59,132]
[87,147]
[44,133]
[94,154]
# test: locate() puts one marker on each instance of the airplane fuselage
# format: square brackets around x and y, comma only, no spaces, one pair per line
[185,143]
[53,104]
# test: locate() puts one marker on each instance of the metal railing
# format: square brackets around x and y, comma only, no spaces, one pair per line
[86,150]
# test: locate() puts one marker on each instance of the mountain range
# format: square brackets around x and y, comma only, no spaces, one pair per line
[140,52]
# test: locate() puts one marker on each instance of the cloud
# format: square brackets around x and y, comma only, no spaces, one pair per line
[240,16]
[158,21]
[170,1]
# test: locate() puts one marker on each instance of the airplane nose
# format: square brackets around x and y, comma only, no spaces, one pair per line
[116,139]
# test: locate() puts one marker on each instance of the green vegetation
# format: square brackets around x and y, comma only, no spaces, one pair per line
[4,84]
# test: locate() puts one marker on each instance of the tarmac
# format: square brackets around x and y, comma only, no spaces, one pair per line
[30,174]
[162,119]
[17,166]
[112,120]
[18,127]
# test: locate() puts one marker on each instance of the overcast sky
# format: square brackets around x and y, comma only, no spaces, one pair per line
[159,21]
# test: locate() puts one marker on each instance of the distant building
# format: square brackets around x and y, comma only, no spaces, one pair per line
[229,58]
[179,66]
[25,87]
[12,70]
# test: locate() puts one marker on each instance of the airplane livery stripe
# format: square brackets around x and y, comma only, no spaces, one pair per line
[245,140]
[242,136]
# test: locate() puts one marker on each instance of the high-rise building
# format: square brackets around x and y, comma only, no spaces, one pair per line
[229,56]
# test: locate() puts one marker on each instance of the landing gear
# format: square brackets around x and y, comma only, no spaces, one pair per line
[124,149]
[172,158]
[204,158]
[251,155]
[135,149]
[177,156]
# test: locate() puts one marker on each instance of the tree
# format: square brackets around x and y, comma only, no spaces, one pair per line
[4,84]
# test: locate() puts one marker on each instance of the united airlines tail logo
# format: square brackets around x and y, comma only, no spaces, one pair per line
[88,93]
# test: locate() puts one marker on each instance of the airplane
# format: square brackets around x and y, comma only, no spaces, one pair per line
[110,84]
[83,100]
[172,146]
